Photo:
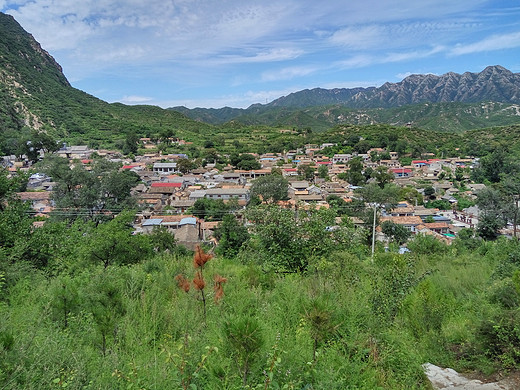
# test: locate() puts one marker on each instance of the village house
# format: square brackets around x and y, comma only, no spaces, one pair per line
[390,163]
[253,174]
[75,152]
[165,168]
[401,172]
[341,158]
[438,227]
[403,209]
[409,222]
[288,172]
[165,188]
[298,185]
[185,228]
[40,202]
[180,206]
[242,194]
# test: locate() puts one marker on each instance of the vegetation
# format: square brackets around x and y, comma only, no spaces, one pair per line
[290,298]
[106,310]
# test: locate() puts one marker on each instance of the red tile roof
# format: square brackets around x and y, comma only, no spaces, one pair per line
[166,185]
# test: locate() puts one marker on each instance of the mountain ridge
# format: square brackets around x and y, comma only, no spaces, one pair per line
[455,98]
[494,83]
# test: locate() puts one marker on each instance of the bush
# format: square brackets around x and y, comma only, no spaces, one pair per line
[500,338]
[423,244]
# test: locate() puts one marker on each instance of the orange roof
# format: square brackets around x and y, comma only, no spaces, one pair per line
[436,225]
[41,195]
[407,220]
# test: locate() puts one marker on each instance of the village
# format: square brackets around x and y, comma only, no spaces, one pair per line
[166,195]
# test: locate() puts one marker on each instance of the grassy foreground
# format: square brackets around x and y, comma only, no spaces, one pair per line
[351,323]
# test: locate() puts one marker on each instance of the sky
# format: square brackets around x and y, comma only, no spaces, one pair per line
[216,53]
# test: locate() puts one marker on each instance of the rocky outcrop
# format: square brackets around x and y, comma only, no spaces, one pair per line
[494,83]
[446,378]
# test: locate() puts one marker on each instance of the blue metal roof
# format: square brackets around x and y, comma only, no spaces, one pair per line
[152,222]
[188,221]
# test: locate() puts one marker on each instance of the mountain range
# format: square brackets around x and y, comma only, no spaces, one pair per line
[36,96]
[448,102]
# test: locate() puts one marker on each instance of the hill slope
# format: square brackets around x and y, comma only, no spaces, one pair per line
[35,94]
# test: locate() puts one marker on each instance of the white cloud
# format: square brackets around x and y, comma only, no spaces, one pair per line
[288,73]
[364,37]
[357,61]
[271,55]
[404,75]
[494,42]
[365,60]
[132,99]
[411,55]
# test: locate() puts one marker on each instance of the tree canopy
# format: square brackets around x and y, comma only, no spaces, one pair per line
[271,188]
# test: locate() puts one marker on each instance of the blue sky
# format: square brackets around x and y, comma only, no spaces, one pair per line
[209,53]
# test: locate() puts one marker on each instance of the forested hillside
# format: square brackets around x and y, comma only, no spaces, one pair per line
[36,96]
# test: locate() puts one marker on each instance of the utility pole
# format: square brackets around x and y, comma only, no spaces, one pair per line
[374,232]
[515,215]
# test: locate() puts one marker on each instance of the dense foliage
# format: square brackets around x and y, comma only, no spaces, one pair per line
[348,322]
[293,301]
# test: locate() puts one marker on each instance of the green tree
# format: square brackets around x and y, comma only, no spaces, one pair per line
[244,161]
[459,174]
[382,176]
[162,240]
[244,340]
[15,221]
[493,165]
[231,236]
[338,204]
[271,188]
[397,233]
[401,147]
[65,298]
[80,193]
[306,172]
[320,316]
[212,209]
[355,172]
[288,239]
[104,301]
[323,171]
[39,141]
[388,196]
[131,144]
[112,243]
[374,156]
[429,191]
[184,165]
[493,212]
